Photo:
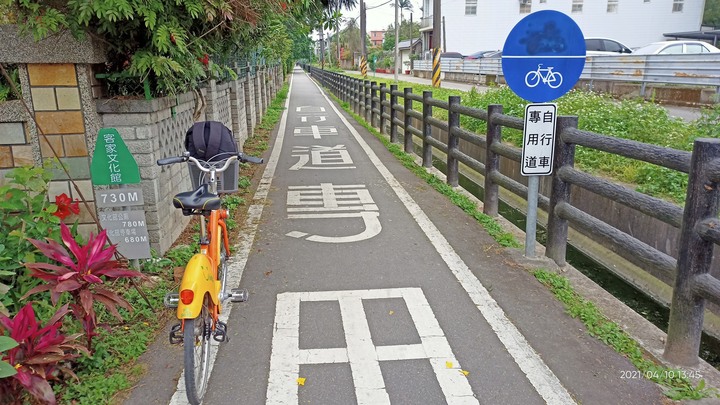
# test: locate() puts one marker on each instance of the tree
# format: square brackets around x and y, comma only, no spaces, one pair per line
[711,16]
[173,44]
[406,30]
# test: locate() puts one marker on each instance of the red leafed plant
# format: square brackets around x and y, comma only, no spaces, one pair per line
[81,272]
[41,355]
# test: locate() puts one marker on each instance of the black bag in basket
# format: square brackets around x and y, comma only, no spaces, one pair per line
[210,141]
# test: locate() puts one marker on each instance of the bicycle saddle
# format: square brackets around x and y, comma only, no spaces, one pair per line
[201,200]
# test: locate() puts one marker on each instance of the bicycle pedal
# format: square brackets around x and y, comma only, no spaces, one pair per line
[171,300]
[220,334]
[176,336]
[239,295]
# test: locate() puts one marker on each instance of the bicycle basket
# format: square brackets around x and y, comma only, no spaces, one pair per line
[227,181]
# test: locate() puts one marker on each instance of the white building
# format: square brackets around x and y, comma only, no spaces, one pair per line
[476,25]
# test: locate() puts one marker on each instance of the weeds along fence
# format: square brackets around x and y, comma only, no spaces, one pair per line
[391,110]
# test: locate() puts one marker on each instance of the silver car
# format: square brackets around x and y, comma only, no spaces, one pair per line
[676,48]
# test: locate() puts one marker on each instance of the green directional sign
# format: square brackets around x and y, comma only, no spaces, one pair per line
[112,162]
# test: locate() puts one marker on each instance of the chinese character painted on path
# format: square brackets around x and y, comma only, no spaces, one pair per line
[322,157]
[329,201]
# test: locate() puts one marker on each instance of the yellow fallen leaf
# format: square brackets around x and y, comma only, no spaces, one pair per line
[448,364]
[465,372]
[301,381]
[391,312]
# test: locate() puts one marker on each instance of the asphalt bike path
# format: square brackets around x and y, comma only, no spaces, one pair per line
[367,286]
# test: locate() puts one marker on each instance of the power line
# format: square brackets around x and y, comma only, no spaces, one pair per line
[379,5]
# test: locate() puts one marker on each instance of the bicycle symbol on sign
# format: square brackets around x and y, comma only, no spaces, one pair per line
[552,79]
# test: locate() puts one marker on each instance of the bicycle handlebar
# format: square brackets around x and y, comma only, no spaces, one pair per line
[208,167]
[170,160]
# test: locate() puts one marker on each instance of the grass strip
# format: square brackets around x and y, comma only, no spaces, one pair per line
[678,385]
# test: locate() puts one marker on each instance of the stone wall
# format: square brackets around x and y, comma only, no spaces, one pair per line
[155,129]
[60,90]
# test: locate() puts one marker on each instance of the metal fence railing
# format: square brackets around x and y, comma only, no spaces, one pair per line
[695,70]
[392,111]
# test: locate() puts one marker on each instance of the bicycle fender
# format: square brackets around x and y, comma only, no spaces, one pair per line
[198,277]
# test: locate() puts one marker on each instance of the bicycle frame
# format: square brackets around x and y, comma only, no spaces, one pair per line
[201,272]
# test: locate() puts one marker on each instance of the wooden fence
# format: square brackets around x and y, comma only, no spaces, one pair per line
[698,222]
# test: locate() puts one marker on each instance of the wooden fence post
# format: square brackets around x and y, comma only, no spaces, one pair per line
[453,141]
[407,122]
[356,95]
[361,98]
[492,162]
[383,98]
[368,102]
[694,256]
[427,130]
[393,113]
[373,103]
[557,228]
[343,88]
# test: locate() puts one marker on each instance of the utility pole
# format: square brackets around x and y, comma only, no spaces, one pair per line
[397,39]
[443,34]
[437,18]
[363,46]
[437,15]
[337,32]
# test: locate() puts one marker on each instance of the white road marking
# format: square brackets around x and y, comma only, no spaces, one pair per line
[537,372]
[237,265]
[332,201]
[315,131]
[308,108]
[322,157]
[362,355]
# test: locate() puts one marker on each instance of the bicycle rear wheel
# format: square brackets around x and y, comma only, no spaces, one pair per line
[196,342]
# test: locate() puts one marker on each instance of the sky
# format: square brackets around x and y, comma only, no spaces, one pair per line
[383,15]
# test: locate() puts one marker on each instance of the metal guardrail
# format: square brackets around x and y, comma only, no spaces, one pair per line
[696,70]
[698,221]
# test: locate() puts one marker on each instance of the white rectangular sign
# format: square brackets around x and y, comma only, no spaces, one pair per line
[119,197]
[538,147]
[127,230]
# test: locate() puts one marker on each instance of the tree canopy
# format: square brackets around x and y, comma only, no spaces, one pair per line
[407,31]
[711,16]
[177,44]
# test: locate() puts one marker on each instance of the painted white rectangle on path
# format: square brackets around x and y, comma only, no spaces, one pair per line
[361,354]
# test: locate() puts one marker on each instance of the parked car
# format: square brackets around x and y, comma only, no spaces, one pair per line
[676,48]
[480,54]
[605,46]
[451,55]
[496,54]
[444,55]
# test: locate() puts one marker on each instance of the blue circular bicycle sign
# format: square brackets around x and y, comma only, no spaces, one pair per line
[543,56]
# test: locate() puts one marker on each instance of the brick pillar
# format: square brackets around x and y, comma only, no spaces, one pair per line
[249,89]
[257,90]
[211,111]
[237,110]
[58,92]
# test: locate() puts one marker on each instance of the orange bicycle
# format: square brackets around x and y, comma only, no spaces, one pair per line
[202,289]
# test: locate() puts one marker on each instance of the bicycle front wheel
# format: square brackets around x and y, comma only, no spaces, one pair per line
[196,342]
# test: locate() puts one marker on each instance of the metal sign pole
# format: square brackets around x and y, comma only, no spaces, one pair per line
[531,218]
[135,262]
